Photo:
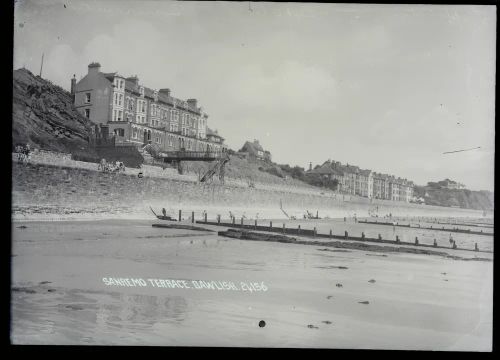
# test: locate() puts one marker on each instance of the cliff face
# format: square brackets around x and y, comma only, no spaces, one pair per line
[43,115]
[479,200]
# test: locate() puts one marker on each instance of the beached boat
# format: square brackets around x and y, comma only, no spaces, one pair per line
[163,217]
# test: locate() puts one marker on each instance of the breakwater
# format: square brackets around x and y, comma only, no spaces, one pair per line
[436,228]
[314,234]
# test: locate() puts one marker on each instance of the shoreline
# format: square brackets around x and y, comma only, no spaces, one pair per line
[315,297]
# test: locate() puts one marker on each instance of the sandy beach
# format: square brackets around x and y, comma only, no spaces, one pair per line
[308,296]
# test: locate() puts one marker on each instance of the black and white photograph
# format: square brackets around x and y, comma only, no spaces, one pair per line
[253,174]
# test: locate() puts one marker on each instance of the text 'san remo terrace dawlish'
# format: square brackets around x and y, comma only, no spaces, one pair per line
[186,284]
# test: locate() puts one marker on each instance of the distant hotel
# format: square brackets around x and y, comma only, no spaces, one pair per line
[353,180]
[136,114]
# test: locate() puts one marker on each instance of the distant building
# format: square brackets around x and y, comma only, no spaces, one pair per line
[355,181]
[255,151]
[328,171]
[138,115]
[214,136]
[452,185]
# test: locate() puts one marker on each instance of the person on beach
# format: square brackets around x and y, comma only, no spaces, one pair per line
[102,165]
[164,212]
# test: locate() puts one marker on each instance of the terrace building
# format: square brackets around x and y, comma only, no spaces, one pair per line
[138,115]
[366,183]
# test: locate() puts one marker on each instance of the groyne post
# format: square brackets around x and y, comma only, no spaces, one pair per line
[416,240]
[180,215]
[255,226]
[397,239]
[283,228]
[475,247]
[270,225]
[314,232]
[298,230]
[241,221]
[346,234]
[205,217]
[234,219]
[435,243]
[218,219]
[192,217]
[379,237]
[330,233]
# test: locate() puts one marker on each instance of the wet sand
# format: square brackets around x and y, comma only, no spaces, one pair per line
[338,298]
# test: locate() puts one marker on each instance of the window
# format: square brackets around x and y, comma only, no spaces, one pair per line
[87,113]
[87,97]
[120,99]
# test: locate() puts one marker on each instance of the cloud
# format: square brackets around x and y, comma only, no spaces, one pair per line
[290,87]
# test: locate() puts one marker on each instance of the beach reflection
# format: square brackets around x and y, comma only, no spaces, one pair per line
[141,310]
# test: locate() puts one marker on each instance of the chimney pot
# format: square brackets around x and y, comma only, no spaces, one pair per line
[94,67]
[165,91]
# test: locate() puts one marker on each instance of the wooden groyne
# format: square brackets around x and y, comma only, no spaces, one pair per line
[453,230]
[363,246]
[314,234]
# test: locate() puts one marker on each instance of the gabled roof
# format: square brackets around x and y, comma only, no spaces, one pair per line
[253,146]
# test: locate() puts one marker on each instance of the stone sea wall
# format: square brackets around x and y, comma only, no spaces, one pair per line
[40,189]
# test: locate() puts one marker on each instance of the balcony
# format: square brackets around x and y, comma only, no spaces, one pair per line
[184,155]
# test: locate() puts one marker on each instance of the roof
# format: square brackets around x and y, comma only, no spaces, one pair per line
[351,169]
[326,169]
[210,132]
[254,146]
[148,92]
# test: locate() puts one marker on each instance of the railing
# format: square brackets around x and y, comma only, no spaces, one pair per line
[191,154]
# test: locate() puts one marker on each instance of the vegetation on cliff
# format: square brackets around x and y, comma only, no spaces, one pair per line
[463,198]
[43,115]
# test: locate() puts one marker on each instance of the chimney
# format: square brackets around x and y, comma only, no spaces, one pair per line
[310,166]
[134,79]
[94,68]
[192,102]
[73,84]
[165,91]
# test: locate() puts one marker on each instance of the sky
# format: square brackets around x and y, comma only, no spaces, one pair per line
[385,87]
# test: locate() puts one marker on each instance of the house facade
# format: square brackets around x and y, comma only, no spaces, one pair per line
[136,114]
[366,183]
[255,151]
